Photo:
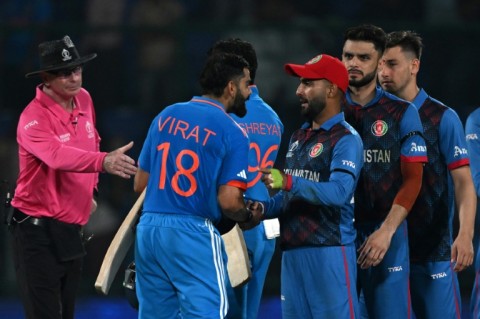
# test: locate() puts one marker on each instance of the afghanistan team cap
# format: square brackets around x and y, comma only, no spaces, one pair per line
[322,66]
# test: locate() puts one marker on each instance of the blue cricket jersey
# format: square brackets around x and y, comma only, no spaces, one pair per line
[264,130]
[325,165]
[472,131]
[191,149]
[430,220]
[391,132]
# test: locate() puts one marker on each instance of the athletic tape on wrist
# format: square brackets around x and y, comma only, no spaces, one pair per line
[277,178]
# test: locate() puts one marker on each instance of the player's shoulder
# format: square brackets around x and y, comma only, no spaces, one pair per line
[351,133]
[474,115]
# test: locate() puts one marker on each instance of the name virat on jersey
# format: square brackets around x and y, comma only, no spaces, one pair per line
[183,129]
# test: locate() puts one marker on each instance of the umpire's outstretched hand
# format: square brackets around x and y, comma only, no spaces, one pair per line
[117,163]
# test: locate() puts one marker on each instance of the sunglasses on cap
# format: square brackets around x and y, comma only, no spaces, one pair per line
[67,72]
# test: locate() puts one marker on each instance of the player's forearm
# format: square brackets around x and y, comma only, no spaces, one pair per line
[273,207]
[412,183]
[232,204]
[140,180]
[465,199]
[336,192]
[394,218]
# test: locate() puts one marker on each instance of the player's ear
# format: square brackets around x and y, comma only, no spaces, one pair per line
[231,89]
[332,90]
[415,67]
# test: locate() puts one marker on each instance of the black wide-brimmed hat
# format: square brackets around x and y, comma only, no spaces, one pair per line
[59,54]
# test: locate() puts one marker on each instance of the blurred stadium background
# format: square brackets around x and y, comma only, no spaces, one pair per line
[149,56]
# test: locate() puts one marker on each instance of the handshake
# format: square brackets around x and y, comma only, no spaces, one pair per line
[273,179]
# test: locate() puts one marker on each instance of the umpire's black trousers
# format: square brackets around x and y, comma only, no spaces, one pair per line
[47,286]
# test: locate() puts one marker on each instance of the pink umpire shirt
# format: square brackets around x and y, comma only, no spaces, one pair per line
[59,159]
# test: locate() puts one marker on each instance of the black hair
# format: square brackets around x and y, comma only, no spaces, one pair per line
[221,68]
[407,40]
[240,47]
[368,33]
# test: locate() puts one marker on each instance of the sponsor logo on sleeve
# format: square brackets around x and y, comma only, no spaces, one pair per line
[242,174]
[418,148]
[30,124]
[348,163]
[459,151]
[472,136]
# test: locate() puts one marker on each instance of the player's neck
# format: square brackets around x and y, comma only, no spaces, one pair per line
[409,93]
[364,94]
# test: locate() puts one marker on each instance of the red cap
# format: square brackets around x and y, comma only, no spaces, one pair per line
[322,66]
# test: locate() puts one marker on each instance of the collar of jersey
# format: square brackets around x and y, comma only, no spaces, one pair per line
[420,99]
[328,124]
[55,108]
[378,94]
[208,101]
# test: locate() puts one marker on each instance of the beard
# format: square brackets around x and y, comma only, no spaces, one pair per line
[315,107]
[239,108]
[367,79]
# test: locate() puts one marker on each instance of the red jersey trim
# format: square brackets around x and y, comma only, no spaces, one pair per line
[238,184]
[414,159]
[459,163]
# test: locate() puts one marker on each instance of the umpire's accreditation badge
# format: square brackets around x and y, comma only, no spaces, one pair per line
[379,128]
[316,150]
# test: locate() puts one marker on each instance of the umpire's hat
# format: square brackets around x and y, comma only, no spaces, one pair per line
[59,54]
[322,66]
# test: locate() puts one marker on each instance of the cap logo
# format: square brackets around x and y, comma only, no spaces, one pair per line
[315,59]
[68,42]
[379,128]
[66,55]
[316,150]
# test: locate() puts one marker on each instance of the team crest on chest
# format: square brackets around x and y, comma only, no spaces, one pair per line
[316,150]
[379,128]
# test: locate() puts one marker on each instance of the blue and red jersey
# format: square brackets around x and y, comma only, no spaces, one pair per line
[191,149]
[391,132]
[472,131]
[325,165]
[430,220]
[264,130]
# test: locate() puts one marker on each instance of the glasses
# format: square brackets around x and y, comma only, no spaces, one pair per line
[67,72]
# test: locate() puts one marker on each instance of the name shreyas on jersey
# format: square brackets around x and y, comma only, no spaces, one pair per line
[376,156]
[183,129]
[260,128]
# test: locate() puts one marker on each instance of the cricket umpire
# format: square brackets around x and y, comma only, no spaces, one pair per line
[59,162]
